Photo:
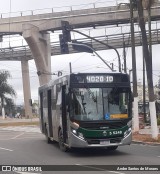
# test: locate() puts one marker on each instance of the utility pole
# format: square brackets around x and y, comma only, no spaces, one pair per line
[147,56]
[124,57]
[144,88]
[135,94]
[149,28]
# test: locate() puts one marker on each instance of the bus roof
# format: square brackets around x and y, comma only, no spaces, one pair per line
[67,77]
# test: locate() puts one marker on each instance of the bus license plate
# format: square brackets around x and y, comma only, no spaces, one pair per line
[105,142]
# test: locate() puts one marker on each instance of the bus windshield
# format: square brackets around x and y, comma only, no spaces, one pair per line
[99,103]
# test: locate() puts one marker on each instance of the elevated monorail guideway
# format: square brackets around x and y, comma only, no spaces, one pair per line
[91,17]
[84,18]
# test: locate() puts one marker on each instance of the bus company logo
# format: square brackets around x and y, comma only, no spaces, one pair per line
[104,127]
[6,169]
[105,133]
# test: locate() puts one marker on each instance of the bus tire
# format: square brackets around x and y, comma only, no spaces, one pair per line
[60,141]
[49,141]
[112,148]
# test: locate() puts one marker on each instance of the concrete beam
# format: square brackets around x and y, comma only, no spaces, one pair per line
[77,18]
[26,88]
[40,47]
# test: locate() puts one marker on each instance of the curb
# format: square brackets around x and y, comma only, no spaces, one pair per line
[146,143]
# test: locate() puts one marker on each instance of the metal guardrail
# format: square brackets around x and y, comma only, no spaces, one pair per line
[113,6]
[61,9]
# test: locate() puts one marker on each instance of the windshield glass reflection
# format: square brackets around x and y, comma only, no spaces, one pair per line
[99,103]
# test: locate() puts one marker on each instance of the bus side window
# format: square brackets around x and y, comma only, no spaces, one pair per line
[54,92]
[45,99]
[67,99]
[58,89]
[54,97]
[59,96]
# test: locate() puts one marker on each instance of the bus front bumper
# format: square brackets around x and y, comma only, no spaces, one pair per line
[79,142]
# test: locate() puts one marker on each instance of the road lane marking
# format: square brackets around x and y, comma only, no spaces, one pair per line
[28,129]
[27,173]
[99,169]
[17,136]
[6,149]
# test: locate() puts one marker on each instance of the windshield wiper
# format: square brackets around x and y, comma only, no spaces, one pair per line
[92,95]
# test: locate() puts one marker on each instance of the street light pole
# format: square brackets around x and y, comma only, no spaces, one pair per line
[91,49]
[144,90]
[109,46]
[66,28]
[124,56]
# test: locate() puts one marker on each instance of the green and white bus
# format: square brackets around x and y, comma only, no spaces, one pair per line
[87,110]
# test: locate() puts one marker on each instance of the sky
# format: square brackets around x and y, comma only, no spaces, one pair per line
[81,62]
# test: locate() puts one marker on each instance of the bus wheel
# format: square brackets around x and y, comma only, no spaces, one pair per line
[61,143]
[46,135]
[112,148]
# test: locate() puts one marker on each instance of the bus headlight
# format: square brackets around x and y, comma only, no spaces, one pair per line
[74,131]
[127,131]
[78,134]
[129,124]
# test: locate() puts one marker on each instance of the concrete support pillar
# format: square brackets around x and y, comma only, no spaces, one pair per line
[40,47]
[26,88]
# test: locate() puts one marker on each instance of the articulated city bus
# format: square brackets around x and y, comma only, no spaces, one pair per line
[87,110]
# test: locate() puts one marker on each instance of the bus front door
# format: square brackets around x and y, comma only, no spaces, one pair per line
[64,114]
[50,131]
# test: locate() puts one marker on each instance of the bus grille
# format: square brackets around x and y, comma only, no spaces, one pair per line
[103,126]
[97,141]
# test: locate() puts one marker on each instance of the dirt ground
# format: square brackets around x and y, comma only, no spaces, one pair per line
[144,138]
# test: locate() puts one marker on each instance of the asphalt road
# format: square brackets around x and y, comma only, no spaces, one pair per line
[30,148]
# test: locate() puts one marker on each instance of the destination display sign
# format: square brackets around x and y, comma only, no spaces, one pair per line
[99,79]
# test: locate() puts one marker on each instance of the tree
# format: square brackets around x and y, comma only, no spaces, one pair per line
[159,83]
[10,106]
[35,108]
[148,61]
[6,90]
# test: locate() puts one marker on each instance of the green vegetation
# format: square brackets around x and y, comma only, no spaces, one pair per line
[6,91]
[158,121]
